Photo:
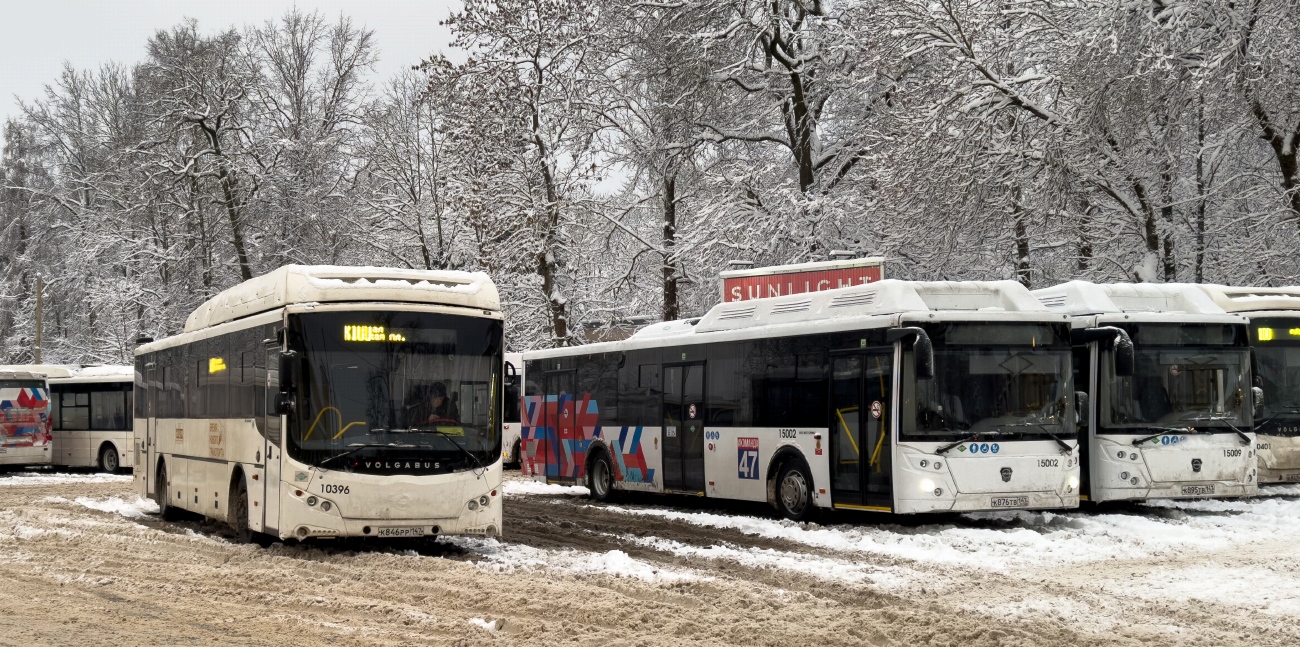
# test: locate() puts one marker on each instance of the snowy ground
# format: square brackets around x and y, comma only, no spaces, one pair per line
[85,553]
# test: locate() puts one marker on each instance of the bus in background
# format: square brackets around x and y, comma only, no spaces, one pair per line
[90,414]
[892,396]
[514,381]
[24,419]
[1275,338]
[1169,407]
[318,401]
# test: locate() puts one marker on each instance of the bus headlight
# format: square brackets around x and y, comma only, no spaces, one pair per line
[483,500]
[1074,483]
[927,485]
[325,505]
[473,505]
[311,501]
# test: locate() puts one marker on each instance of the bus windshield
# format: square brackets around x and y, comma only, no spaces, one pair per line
[396,392]
[1010,379]
[1190,377]
[1277,360]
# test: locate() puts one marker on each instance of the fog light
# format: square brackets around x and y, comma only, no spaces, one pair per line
[325,505]
[1135,480]
[311,500]
[925,463]
[927,485]
[1122,454]
[473,505]
[1133,456]
[483,500]
[1123,476]
[938,491]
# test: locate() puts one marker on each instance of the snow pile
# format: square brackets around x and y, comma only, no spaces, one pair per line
[1005,540]
[615,563]
[484,624]
[136,509]
[524,488]
[40,478]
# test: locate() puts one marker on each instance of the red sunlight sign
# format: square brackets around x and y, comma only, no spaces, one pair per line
[744,288]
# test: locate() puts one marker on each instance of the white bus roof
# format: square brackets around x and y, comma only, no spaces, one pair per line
[64,373]
[1081,298]
[1247,299]
[839,309]
[8,374]
[293,284]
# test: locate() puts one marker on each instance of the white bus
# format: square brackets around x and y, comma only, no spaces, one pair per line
[319,401]
[1275,337]
[24,419]
[1167,374]
[893,396]
[514,382]
[90,415]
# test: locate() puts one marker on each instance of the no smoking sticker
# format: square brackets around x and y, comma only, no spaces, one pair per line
[690,412]
[877,409]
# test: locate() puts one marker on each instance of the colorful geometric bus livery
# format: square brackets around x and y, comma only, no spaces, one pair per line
[560,451]
[26,417]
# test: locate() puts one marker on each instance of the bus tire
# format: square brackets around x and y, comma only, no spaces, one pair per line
[794,490]
[237,513]
[162,495]
[600,476]
[108,459]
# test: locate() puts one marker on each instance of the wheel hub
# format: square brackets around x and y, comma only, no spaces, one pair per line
[794,492]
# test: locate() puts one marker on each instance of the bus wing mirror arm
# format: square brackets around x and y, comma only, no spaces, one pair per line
[922,349]
[288,373]
[1113,337]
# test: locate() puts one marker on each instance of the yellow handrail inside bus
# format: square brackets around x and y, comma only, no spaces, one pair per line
[311,430]
[875,455]
[839,413]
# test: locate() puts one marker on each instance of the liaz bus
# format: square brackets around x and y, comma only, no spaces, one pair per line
[514,376]
[1275,337]
[319,401]
[90,415]
[893,396]
[1167,373]
[24,419]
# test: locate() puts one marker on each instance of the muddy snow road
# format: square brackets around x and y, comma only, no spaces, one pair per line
[84,562]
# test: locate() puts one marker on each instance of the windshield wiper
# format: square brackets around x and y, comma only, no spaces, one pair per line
[967,437]
[355,449]
[1245,440]
[442,434]
[1064,445]
[1164,430]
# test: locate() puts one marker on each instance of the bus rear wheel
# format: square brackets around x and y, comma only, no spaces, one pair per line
[108,459]
[238,511]
[794,490]
[162,495]
[600,477]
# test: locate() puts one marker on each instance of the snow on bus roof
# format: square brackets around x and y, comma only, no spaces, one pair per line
[842,308]
[1253,299]
[291,284]
[1088,298]
[6,374]
[77,372]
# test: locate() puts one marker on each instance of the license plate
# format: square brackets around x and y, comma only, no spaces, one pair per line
[1289,478]
[1198,490]
[1011,502]
[401,532]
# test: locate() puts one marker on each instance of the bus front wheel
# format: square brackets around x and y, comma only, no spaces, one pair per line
[238,510]
[600,477]
[794,490]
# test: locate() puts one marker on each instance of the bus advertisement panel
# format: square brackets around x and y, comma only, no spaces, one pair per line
[24,419]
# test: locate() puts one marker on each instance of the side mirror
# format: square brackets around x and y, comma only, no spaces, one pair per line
[1081,408]
[922,349]
[1114,338]
[1258,394]
[284,400]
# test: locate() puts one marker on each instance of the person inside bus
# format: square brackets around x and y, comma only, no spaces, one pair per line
[1152,396]
[441,407]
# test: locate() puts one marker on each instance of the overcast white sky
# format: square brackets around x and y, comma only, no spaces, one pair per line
[37,36]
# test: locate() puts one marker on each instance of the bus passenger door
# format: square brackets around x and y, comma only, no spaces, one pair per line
[561,424]
[266,371]
[861,399]
[149,442]
[683,413]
